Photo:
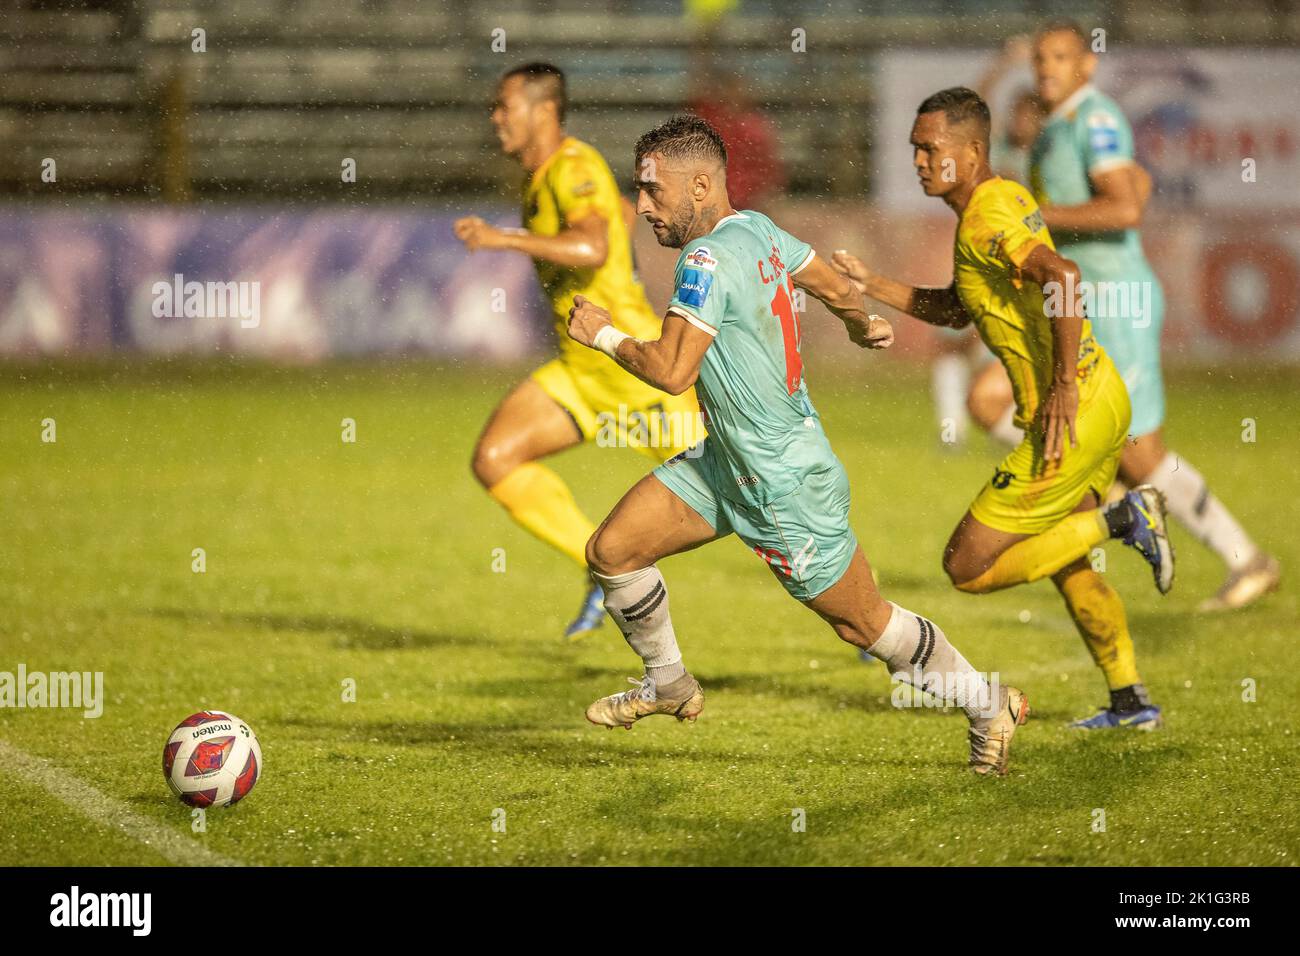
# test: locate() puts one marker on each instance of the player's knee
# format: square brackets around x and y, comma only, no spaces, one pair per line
[490,463]
[959,572]
[606,554]
[951,566]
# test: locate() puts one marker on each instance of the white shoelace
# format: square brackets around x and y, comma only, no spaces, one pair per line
[644,690]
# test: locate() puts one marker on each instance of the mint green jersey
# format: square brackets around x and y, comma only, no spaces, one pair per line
[735,283]
[1085,136]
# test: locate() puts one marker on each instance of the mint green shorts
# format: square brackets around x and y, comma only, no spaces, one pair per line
[804,536]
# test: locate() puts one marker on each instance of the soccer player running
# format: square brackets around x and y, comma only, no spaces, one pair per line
[1039,515]
[766,471]
[576,232]
[1079,173]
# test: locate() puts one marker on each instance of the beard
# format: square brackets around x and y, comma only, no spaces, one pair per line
[676,232]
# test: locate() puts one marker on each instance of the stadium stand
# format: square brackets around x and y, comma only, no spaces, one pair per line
[283,91]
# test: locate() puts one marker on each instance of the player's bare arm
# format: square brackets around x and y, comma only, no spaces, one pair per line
[1060,407]
[936,306]
[670,363]
[1144,185]
[1117,203]
[838,293]
[582,244]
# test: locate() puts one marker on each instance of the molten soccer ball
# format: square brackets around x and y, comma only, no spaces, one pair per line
[212,759]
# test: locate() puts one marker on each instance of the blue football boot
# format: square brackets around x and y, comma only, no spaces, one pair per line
[1148,535]
[1144,718]
[589,617]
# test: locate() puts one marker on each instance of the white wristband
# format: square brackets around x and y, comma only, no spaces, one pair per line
[607,340]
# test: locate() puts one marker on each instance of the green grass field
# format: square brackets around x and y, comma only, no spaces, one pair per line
[373,561]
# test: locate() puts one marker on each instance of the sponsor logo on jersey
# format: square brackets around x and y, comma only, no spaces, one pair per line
[694,287]
[1034,221]
[700,258]
[1103,133]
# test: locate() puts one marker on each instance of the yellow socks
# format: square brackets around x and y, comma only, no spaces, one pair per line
[1099,615]
[1043,554]
[538,499]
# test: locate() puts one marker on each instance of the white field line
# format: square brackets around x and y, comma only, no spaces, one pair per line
[103,809]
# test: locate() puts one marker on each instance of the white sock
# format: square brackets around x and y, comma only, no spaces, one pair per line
[638,603]
[949,382]
[1190,501]
[1005,431]
[918,652]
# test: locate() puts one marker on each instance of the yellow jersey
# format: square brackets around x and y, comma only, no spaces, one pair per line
[999,228]
[574,182]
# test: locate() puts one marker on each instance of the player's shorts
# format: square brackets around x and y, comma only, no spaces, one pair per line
[1020,500]
[803,535]
[615,409]
[1146,392]
[1131,336]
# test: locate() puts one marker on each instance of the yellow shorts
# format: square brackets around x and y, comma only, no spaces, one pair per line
[1022,500]
[617,410]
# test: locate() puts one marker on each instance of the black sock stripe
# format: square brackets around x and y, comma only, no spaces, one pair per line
[648,610]
[654,592]
[1202,501]
[925,647]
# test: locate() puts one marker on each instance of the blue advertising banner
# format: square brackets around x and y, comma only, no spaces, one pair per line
[286,285]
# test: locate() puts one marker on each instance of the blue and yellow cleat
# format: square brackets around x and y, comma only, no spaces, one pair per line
[590,617]
[1149,536]
[1145,718]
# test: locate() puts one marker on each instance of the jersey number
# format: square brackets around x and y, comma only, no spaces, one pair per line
[783,309]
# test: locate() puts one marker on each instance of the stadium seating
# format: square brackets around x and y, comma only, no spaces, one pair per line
[285,91]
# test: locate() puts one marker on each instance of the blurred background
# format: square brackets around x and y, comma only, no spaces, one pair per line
[149,139]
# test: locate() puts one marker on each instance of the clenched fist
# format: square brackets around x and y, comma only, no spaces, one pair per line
[585,320]
[477,234]
[877,333]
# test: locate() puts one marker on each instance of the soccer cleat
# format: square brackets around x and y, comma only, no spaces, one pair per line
[1149,536]
[990,746]
[1245,586]
[1144,718]
[590,617]
[625,709]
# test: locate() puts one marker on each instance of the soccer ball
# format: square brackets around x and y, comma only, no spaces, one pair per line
[212,759]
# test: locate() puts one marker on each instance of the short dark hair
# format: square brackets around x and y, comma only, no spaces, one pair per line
[544,82]
[683,137]
[960,104]
[1063,25]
